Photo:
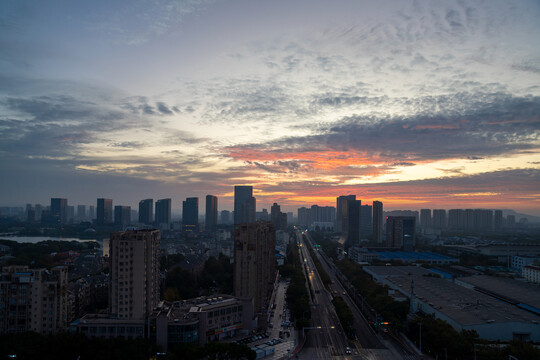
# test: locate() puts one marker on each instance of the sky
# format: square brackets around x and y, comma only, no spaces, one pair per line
[418,104]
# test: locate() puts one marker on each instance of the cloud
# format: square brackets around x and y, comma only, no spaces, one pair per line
[162,108]
[496,124]
[139,22]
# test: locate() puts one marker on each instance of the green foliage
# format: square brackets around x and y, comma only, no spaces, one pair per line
[375,294]
[325,278]
[297,295]
[168,261]
[345,316]
[217,273]
[39,255]
[182,284]
[328,246]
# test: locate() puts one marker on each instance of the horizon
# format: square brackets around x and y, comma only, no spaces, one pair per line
[417,104]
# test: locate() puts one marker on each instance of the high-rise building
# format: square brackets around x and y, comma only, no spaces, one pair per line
[104,211]
[377,222]
[303,216]
[122,215]
[33,299]
[341,207]
[146,211]
[244,204]
[254,262]
[456,219]
[439,219]
[59,210]
[70,213]
[225,217]
[400,232]
[366,221]
[134,290]
[81,212]
[190,214]
[498,220]
[350,231]
[39,209]
[510,221]
[91,212]
[262,215]
[425,218]
[163,211]
[469,219]
[211,212]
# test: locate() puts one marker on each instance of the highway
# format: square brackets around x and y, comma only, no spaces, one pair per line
[330,340]
[326,339]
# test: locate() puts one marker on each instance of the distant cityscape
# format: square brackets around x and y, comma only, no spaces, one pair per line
[123,286]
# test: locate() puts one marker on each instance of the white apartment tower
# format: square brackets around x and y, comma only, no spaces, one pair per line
[134,290]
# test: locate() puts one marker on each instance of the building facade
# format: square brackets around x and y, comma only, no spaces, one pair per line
[33,299]
[122,215]
[104,211]
[190,214]
[146,211]
[134,289]
[163,211]
[378,222]
[244,204]
[254,262]
[59,210]
[211,212]
[400,232]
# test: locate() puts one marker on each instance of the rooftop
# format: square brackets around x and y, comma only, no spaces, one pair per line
[521,292]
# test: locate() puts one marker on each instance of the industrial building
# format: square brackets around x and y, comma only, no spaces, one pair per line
[464,308]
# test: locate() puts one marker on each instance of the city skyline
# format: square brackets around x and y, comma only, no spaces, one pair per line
[417,104]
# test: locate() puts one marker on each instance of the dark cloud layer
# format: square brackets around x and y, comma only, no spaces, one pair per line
[503,126]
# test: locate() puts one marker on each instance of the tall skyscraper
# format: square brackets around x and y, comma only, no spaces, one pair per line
[275,215]
[104,211]
[498,220]
[91,212]
[303,216]
[456,219]
[366,221]
[341,208]
[377,222]
[190,214]
[211,212]
[146,211]
[59,210]
[400,232]
[254,262]
[244,204]
[134,290]
[122,215]
[163,211]
[350,231]
[425,218]
[81,212]
[439,219]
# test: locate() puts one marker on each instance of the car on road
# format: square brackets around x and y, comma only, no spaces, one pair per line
[348,350]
